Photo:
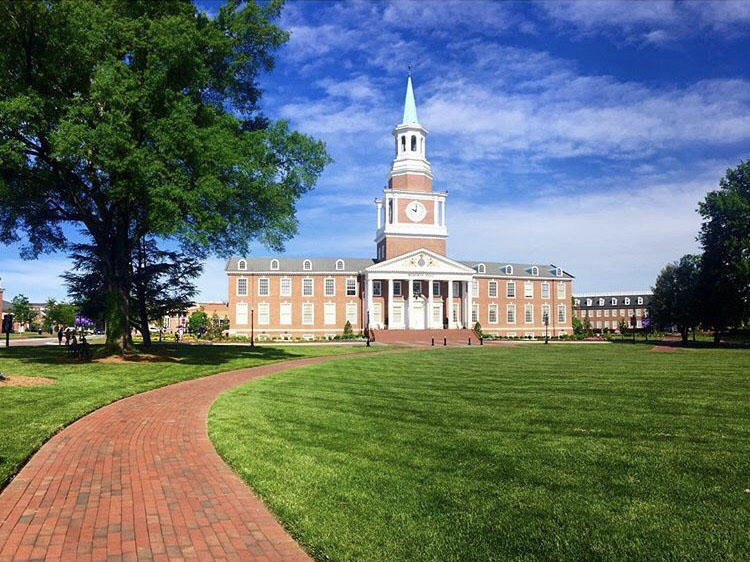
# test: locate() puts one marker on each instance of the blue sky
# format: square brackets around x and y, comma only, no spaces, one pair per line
[576,133]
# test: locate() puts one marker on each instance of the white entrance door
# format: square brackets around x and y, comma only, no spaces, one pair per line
[377,315]
[398,315]
[416,315]
[437,315]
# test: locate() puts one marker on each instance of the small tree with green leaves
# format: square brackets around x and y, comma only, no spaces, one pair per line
[348,330]
[478,329]
[587,329]
[577,327]
[21,310]
[198,322]
[60,313]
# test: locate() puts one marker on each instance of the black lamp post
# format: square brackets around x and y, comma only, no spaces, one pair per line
[546,326]
[252,326]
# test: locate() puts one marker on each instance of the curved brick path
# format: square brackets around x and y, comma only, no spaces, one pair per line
[140,480]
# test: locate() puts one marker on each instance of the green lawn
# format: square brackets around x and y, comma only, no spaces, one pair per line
[549,453]
[31,415]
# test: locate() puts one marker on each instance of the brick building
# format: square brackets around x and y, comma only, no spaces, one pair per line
[607,310]
[410,284]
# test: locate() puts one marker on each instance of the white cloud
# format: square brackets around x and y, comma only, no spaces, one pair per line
[36,279]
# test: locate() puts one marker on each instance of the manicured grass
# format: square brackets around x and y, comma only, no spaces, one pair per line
[559,452]
[30,415]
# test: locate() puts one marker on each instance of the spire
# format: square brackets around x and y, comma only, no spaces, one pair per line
[410,106]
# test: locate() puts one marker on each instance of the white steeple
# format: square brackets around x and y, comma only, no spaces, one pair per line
[411,149]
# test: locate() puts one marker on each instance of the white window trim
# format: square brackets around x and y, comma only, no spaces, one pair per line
[237,288]
[352,280]
[268,286]
[283,293]
[545,285]
[436,285]
[326,307]
[508,309]
[325,287]
[288,305]
[312,315]
[267,318]
[526,293]
[340,265]
[507,290]
[274,265]
[307,265]
[481,268]
[242,265]
[377,289]
[395,292]
[492,307]
[526,308]
[490,285]
[535,271]
[312,287]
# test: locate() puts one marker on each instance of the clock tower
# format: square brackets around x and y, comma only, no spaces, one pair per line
[410,215]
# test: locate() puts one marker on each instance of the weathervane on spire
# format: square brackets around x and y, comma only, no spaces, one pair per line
[411,66]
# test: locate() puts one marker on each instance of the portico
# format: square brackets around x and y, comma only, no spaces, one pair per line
[418,290]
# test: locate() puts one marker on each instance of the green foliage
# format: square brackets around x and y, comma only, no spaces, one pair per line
[348,331]
[21,310]
[63,313]
[130,120]
[577,326]
[198,322]
[587,330]
[478,329]
[725,237]
[216,327]
[677,295]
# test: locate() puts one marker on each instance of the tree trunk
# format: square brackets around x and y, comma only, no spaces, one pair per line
[144,322]
[684,333]
[117,271]
[717,336]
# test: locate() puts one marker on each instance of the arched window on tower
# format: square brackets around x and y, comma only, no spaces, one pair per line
[390,211]
[396,141]
[414,143]
[403,143]
[421,146]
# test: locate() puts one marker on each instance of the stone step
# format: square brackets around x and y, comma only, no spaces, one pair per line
[424,337]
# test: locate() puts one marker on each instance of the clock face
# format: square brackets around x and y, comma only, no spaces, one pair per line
[415,211]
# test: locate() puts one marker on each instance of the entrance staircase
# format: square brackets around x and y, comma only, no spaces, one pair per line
[424,337]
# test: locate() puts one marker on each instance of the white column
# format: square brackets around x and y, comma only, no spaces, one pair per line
[369,301]
[408,303]
[442,219]
[429,303]
[390,304]
[379,206]
[469,323]
[395,210]
[449,304]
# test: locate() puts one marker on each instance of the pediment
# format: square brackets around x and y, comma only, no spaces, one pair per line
[420,261]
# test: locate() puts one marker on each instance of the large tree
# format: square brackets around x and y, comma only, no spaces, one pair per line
[21,310]
[725,236]
[129,119]
[676,300]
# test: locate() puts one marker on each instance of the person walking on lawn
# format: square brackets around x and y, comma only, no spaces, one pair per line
[59,334]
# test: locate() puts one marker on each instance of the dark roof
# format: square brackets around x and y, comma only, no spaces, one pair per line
[294,265]
[620,299]
[498,269]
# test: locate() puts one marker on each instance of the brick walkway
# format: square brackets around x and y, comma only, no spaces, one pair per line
[140,480]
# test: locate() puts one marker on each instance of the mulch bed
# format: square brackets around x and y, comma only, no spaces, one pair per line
[664,348]
[19,380]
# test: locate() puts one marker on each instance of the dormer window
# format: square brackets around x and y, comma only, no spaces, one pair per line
[558,272]
[339,265]
[578,302]
[640,300]
[601,302]
[509,270]
[589,302]
[307,265]
[481,268]
[627,300]
[274,265]
[613,302]
[242,265]
[535,270]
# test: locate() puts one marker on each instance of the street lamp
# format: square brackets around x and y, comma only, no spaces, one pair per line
[252,326]
[546,326]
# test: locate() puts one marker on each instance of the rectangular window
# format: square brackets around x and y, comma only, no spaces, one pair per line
[455,312]
[511,315]
[241,313]
[528,289]
[263,287]
[398,315]
[285,313]
[264,313]
[285,287]
[351,287]
[241,287]
[329,313]
[474,314]
[545,313]
[545,290]
[436,288]
[307,287]
[528,316]
[561,291]
[456,288]
[377,289]
[561,314]
[511,292]
[492,314]
[606,313]
[475,288]
[351,313]
[622,312]
[492,289]
[329,287]
[437,314]
[598,313]
[377,313]
[396,288]
[599,325]
[637,311]
[308,315]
